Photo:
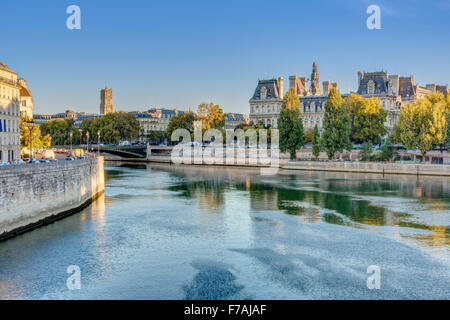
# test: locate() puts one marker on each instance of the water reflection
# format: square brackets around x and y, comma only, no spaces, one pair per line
[338,198]
[189,232]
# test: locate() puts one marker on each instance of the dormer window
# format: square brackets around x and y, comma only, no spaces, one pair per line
[370,87]
[263,93]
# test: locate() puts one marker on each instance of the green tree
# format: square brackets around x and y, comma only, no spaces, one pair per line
[114,127]
[316,143]
[336,125]
[369,118]
[58,129]
[366,151]
[386,152]
[182,121]
[290,125]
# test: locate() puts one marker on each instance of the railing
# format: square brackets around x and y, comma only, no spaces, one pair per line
[9,81]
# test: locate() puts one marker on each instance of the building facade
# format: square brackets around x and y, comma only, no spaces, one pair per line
[26,100]
[155,120]
[265,105]
[234,119]
[392,90]
[9,114]
[106,101]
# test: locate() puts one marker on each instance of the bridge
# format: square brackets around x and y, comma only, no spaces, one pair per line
[138,152]
[124,151]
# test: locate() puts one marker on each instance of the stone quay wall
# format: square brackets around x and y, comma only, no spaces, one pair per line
[371,167]
[32,195]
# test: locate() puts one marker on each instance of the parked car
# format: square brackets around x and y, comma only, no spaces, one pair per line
[4,163]
[32,161]
[44,161]
[70,158]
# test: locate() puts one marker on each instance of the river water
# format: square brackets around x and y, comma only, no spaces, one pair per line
[167,232]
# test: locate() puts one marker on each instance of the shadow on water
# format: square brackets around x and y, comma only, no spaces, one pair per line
[213,281]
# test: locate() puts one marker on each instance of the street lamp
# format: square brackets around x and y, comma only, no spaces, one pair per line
[30,125]
[87,142]
[71,135]
[98,143]
[81,139]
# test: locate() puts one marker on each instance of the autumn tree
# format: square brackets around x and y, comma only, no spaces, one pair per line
[336,125]
[290,125]
[351,103]
[369,119]
[211,116]
[423,124]
[38,140]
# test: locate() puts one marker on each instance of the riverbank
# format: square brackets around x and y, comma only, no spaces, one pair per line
[330,166]
[33,195]
[371,167]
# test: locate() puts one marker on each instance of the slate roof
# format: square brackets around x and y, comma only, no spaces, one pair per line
[380,80]
[273,89]
[406,87]
[234,117]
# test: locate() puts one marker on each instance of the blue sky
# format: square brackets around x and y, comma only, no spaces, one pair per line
[181,53]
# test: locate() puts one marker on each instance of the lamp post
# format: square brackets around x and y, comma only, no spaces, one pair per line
[30,125]
[98,143]
[87,142]
[81,133]
[70,135]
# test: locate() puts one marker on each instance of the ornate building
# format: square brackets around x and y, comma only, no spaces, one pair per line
[106,101]
[392,90]
[9,114]
[265,105]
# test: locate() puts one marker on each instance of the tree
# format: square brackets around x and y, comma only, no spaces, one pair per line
[316,143]
[58,129]
[386,152]
[422,124]
[38,141]
[351,103]
[114,127]
[211,115]
[369,118]
[366,151]
[309,135]
[290,125]
[336,125]
[182,121]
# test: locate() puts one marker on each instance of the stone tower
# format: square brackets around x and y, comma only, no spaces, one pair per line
[315,86]
[106,101]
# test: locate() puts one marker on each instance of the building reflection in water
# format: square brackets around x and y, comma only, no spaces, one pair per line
[337,198]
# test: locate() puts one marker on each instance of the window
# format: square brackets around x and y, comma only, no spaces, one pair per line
[370,87]
[263,93]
